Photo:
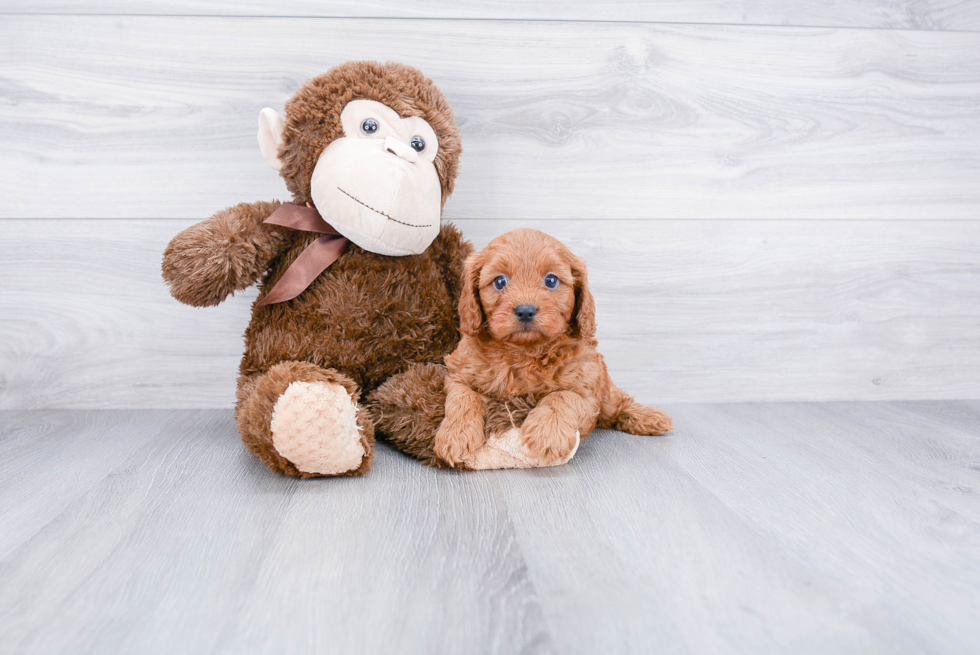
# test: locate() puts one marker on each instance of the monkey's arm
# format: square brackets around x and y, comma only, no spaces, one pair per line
[223,254]
[450,250]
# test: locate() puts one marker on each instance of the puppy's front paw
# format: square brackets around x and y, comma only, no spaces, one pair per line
[548,439]
[456,441]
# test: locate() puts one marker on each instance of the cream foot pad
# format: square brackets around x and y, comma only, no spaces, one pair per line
[507,451]
[314,426]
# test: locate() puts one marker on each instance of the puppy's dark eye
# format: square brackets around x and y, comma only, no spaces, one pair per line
[369,126]
[500,282]
[418,143]
[551,281]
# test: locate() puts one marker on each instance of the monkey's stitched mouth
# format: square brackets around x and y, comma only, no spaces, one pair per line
[378,211]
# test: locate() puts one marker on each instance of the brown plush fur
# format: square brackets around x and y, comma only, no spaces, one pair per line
[545,376]
[364,319]
[408,409]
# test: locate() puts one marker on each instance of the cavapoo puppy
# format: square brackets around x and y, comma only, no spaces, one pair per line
[528,324]
[526,366]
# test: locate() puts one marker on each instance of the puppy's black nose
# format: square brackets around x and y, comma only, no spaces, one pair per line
[526,313]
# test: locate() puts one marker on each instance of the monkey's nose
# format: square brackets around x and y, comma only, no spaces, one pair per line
[400,148]
[525,313]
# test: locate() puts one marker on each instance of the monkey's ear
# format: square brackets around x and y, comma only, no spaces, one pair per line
[271,124]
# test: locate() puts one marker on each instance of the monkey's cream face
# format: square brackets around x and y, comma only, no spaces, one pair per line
[377,185]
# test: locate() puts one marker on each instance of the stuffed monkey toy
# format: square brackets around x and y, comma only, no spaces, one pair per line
[358,281]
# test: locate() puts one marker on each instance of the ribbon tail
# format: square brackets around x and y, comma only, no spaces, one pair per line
[311,262]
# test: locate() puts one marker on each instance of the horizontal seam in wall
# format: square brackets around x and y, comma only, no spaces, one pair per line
[496,20]
[531,219]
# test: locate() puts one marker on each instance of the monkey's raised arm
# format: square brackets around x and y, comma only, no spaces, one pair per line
[225,253]
[450,250]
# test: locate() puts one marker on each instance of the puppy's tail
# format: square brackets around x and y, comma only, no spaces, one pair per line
[631,417]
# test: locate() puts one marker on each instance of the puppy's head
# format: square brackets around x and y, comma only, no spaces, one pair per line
[526,288]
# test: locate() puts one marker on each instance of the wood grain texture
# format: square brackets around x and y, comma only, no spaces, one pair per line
[904,14]
[846,515]
[190,545]
[753,528]
[689,311]
[857,469]
[154,117]
[88,446]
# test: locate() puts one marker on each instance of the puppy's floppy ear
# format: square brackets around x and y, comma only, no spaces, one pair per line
[583,316]
[471,315]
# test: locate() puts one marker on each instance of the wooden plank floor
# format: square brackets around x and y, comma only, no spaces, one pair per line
[754,528]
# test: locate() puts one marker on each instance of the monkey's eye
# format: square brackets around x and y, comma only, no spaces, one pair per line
[551,281]
[500,282]
[418,143]
[369,126]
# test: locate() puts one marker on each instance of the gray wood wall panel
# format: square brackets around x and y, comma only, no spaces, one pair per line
[565,124]
[902,14]
[688,311]
[154,117]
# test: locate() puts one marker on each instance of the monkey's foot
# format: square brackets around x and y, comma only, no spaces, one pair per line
[507,451]
[314,426]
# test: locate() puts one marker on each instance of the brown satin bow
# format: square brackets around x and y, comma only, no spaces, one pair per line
[313,260]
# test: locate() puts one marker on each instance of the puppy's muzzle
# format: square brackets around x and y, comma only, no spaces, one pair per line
[525,313]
